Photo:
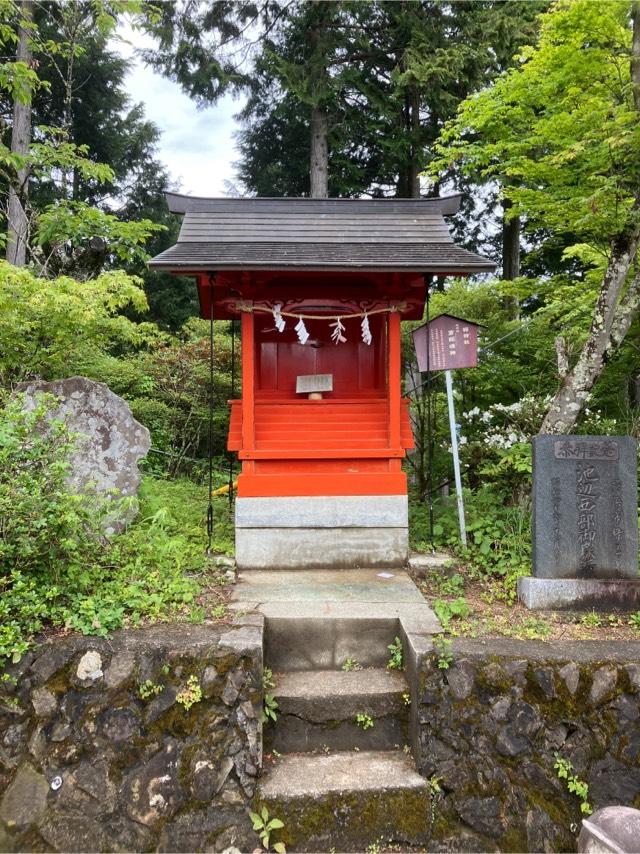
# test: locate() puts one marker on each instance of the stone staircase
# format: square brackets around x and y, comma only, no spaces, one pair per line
[339,783]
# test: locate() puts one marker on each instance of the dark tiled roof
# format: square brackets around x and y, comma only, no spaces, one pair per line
[316,234]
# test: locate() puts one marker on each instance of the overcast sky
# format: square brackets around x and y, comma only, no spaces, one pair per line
[196,145]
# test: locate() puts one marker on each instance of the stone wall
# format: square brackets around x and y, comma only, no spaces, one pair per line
[102,750]
[490,725]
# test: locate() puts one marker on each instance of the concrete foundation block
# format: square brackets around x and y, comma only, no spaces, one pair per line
[334,511]
[329,548]
[541,594]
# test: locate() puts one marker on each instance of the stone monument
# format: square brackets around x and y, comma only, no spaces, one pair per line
[105,460]
[585,524]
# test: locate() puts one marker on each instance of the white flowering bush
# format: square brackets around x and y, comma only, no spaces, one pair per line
[496,445]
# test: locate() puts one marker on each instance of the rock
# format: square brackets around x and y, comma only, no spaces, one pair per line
[508,743]
[105,460]
[153,792]
[525,719]
[233,685]
[627,707]
[120,671]
[604,682]
[483,815]
[494,675]
[246,640]
[25,800]
[570,674]
[557,736]
[69,832]
[209,680]
[611,782]
[209,777]
[90,666]
[500,708]
[615,828]
[160,704]
[94,780]
[461,679]
[516,670]
[633,671]
[60,731]
[541,832]
[53,659]
[44,703]
[545,678]
[121,725]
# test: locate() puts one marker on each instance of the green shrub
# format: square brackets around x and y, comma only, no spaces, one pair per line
[46,530]
[56,567]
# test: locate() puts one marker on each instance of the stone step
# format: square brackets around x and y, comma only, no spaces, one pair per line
[318,711]
[346,801]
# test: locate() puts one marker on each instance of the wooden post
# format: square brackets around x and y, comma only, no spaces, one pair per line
[394,379]
[248,381]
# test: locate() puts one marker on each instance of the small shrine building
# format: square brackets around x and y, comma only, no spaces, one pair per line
[321,287]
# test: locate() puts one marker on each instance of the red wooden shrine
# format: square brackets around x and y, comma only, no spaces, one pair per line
[324,258]
[353,440]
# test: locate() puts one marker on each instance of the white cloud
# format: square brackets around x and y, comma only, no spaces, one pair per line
[196,145]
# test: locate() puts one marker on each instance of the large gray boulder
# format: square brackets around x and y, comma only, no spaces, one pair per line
[105,460]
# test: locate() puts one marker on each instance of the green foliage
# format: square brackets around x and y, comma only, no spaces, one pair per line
[561,127]
[56,566]
[264,827]
[269,708]
[270,704]
[564,770]
[364,721]
[591,620]
[148,689]
[443,647]
[451,610]
[191,693]
[46,530]
[351,664]
[395,660]
[498,537]
[78,223]
[23,610]
[40,319]
[634,620]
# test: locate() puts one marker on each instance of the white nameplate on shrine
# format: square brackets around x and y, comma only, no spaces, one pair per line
[314,383]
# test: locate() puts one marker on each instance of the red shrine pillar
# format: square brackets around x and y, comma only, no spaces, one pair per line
[248,384]
[393,380]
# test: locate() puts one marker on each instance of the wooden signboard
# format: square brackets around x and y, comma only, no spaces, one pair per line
[446,344]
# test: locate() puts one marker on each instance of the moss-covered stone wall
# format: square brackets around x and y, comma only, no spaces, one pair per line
[149,740]
[492,725]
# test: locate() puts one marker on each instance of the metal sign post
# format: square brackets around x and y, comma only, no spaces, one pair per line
[442,344]
[456,456]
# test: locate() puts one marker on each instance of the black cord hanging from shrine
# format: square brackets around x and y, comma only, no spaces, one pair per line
[210,519]
[233,394]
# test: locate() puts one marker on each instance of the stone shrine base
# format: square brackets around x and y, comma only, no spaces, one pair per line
[330,532]
[597,594]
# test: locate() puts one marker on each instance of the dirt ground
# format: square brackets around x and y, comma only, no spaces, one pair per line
[470,606]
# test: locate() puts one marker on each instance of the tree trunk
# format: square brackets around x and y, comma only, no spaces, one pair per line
[510,243]
[613,313]
[414,121]
[17,220]
[319,160]
[319,167]
[611,321]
